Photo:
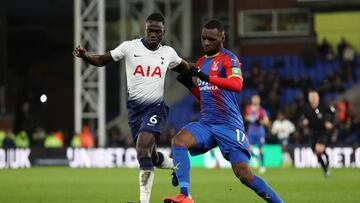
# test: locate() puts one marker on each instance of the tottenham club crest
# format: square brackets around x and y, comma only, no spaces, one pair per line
[215,66]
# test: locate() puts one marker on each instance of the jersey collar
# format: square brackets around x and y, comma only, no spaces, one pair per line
[214,55]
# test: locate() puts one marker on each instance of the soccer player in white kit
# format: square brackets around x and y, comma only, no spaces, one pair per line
[146,64]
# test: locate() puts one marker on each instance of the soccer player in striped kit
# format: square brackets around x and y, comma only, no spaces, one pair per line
[219,80]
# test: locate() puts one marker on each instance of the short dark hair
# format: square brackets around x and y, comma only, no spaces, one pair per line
[313,90]
[156,17]
[212,24]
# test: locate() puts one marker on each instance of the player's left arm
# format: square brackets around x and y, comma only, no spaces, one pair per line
[231,83]
[184,66]
[233,80]
[185,78]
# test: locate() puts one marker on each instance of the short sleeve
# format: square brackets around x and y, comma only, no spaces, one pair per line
[120,51]
[174,59]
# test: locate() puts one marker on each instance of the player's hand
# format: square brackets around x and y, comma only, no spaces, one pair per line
[328,125]
[80,52]
[201,75]
[305,122]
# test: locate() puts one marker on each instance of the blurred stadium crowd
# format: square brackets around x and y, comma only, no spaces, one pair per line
[280,81]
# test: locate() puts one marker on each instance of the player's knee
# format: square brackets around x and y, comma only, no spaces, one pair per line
[143,152]
[182,140]
[140,146]
[144,148]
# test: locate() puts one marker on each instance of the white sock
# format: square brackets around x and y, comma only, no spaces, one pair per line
[146,179]
[167,163]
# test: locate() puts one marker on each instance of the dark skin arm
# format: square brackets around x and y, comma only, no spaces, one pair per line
[185,76]
[93,59]
[183,66]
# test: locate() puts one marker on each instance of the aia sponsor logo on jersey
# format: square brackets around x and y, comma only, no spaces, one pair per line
[147,71]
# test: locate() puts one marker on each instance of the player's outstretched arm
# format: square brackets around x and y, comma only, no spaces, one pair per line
[94,59]
[184,66]
[185,77]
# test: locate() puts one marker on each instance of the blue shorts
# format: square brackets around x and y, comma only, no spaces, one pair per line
[147,118]
[232,141]
[256,134]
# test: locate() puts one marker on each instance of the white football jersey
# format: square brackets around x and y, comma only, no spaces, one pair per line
[145,69]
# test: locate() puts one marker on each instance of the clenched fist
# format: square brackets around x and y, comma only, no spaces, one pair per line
[80,52]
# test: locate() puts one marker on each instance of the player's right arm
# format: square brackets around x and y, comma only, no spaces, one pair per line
[93,59]
[185,77]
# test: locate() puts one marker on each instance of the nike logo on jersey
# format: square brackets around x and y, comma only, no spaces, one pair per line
[135,55]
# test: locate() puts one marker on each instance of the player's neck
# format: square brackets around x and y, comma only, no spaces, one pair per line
[212,54]
[314,106]
[148,47]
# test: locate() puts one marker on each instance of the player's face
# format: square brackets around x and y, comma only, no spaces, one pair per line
[255,100]
[212,40]
[314,99]
[154,32]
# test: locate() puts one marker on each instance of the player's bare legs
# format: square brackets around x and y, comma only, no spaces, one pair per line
[148,157]
[161,160]
[144,147]
[321,155]
[183,141]
[245,175]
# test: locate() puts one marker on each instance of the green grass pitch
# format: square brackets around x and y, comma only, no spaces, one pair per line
[66,185]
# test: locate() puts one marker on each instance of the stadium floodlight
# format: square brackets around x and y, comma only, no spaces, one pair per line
[89,20]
